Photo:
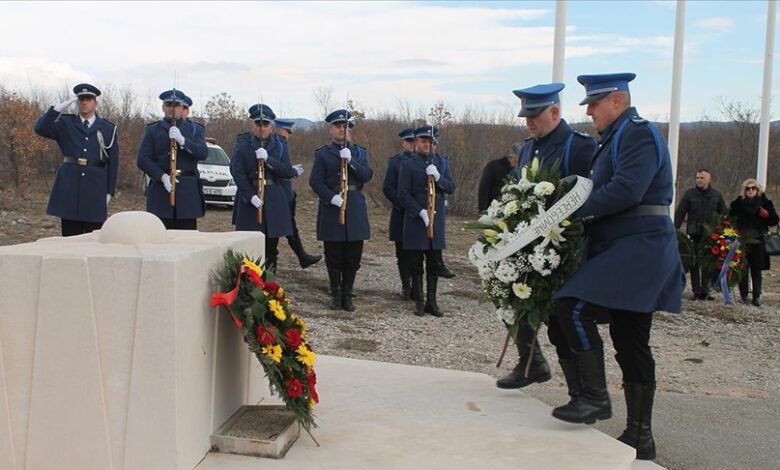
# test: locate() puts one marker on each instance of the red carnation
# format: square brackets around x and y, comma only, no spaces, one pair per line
[255,278]
[294,388]
[292,338]
[272,288]
[715,250]
[265,336]
[719,265]
[311,377]
[714,236]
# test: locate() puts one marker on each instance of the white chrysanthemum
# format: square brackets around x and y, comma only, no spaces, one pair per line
[510,208]
[506,272]
[521,290]
[506,315]
[553,258]
[486,269]
[477,253]
[544,261]
[545,188]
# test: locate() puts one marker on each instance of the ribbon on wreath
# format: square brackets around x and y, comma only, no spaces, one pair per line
[542,224]
[723,278]
[227,298]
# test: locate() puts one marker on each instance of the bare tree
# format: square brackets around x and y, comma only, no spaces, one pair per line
[323,96]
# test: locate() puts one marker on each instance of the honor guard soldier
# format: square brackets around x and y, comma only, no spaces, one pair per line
[342,223]
[284,129]
[260,162]
[181,209]
[424,205]
[631,267]
[86,179]
[396,226]
[553,142]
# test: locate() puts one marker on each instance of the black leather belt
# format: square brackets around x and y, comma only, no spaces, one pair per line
[194,173]
[84,162]
[350,187]
[644,210]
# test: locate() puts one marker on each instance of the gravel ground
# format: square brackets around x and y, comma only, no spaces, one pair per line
[710,349]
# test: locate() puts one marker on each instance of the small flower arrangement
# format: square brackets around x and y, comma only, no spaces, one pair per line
[275,335]
[521,286]
[721,247]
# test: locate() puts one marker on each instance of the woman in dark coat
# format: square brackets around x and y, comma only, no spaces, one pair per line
[755,213]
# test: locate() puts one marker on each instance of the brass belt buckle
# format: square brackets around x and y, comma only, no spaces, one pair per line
[82,162]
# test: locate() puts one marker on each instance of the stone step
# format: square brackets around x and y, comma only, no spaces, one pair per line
[381,415]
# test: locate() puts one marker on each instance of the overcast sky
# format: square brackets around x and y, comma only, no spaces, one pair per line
[468,54]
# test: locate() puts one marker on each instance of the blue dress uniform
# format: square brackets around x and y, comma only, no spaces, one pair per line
[413,194]
[89,169]
[294,239]
[632,265]
[154,160]
[572,152]
[343,243]
[276,205]
[396,225]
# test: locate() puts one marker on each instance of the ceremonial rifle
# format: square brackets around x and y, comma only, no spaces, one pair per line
[431,189]
[261,170]
[173,149]
[344,173]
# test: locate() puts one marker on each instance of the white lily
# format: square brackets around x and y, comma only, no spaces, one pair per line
[554,236]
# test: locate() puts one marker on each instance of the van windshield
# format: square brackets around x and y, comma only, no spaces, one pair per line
[217,156]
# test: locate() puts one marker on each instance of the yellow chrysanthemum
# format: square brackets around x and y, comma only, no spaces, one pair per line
[280,293]
[249,264]
[302,324]
[305,356]
[274,352]
[277,309]
[729,232]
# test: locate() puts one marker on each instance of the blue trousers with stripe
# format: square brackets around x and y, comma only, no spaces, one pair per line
[573,328]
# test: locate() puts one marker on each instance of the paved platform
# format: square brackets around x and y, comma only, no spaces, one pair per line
[380,415]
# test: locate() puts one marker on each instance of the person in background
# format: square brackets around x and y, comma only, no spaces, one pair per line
[697,206]
[755,213]
[493,176]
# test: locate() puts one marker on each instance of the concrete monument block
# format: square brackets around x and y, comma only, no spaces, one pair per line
[110,356]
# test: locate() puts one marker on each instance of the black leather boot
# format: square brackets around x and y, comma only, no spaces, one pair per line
[593,402]
[571,373]
[334,276]
[347,283]
[539,370]
[417,295]
[304,259]
[432,284]
[406,278]
[639,413]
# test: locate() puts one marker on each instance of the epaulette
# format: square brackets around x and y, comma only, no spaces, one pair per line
[107,121]
[67,114]
[528,138]
[583,134]
[638,120]
[201,125]
[153,123]
[320,148]
[243,137]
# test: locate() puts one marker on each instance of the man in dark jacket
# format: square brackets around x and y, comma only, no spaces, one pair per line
[493,176]
[698,205]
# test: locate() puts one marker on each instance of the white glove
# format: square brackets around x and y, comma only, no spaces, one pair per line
[336,200]
[298,169]
[175,134]
[256,201]
[346,154]
[424,216]
[166,181]
[108,198]
[432,171]
[65,104]
[261,154]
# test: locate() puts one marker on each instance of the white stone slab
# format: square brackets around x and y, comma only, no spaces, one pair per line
[389,416]
[110,356]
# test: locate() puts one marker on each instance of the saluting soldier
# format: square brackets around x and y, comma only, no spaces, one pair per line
[251,148]
[552,141]
[396,226]
[86,180]
[154,160]
[284,129]
[343,243]
[631,268]
[413,194]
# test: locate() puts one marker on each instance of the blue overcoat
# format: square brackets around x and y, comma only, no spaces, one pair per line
[632,262]
[154,160]
[79,192]
[287,182]
[413,193]
[390,189]
[573,149]
[325,181]
[276,206]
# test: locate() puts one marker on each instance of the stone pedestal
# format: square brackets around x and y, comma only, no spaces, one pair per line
[110,356]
